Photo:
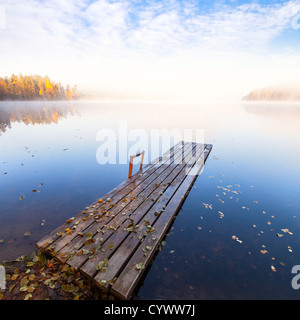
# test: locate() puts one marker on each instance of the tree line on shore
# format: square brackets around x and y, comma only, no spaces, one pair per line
[35,87]
[274,94]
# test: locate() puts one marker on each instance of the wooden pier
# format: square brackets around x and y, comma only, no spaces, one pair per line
[113,240]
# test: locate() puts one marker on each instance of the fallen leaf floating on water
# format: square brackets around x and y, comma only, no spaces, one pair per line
[273,268]
[206,205]
[27,233]
[21,198]
[221,214]
[287,231]
[263,251]
[236,238]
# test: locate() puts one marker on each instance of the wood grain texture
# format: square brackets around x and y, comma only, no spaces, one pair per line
[114,239]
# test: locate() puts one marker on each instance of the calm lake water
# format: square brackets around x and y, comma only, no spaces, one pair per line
[237,234]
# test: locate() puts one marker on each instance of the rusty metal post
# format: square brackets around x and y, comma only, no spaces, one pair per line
[131,162]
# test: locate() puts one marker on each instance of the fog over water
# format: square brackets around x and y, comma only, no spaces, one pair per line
[249,189]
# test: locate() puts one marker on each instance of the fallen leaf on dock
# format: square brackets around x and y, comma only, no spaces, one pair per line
[103,282]
[140,266]
[28,296]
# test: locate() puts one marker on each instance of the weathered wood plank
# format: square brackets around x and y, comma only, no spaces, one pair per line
[126,226]
[125,186]
[128,246]
[129,277]
[117,220]
[120,234]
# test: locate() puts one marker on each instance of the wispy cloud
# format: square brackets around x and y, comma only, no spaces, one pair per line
[153,26]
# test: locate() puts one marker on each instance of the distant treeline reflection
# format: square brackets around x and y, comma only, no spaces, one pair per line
[19,87]
[31,115]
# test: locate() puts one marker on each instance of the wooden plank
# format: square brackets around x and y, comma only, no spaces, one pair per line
[118,236]
[90,224]
[134,181]
[115,207]
[129,277]
[127,229]
[128,246]
[117,220]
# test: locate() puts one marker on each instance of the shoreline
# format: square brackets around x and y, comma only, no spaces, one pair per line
[38,277]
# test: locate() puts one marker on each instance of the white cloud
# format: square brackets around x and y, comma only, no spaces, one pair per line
[163,46]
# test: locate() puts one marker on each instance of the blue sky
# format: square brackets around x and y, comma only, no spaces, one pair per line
[163,48]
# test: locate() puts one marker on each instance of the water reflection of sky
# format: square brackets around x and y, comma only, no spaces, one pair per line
[255,155]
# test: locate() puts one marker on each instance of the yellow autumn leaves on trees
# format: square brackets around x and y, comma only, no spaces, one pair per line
[19,87]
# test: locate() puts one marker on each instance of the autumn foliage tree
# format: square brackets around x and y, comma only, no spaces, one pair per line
[34,88]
